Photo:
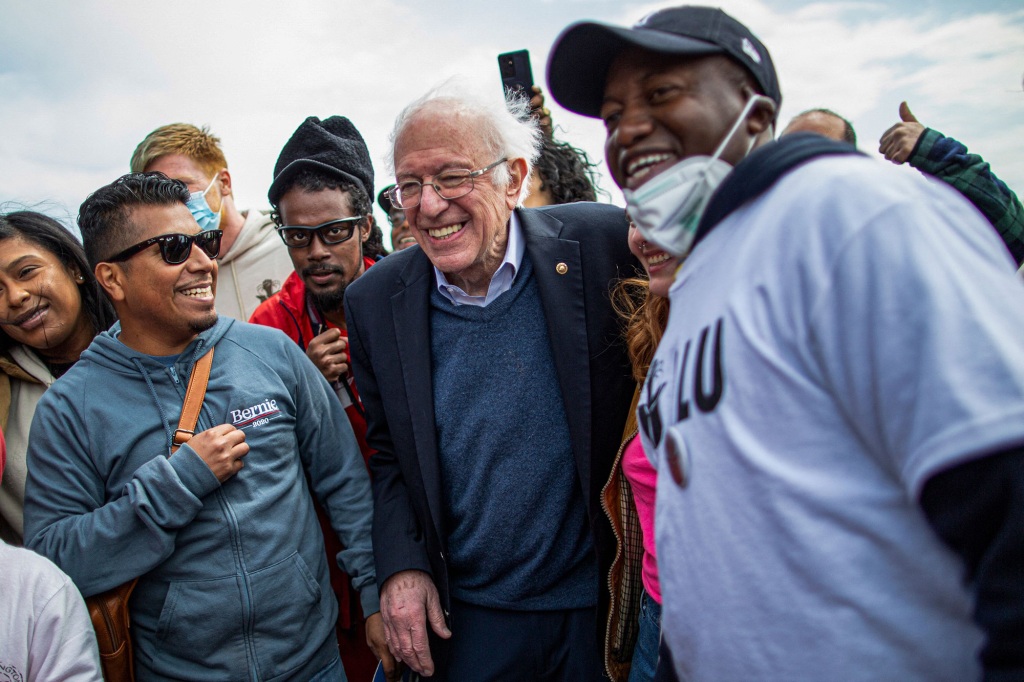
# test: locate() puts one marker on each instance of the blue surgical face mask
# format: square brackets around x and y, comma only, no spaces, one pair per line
[201,211]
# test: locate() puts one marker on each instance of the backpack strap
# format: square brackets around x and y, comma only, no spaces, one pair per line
[762,169]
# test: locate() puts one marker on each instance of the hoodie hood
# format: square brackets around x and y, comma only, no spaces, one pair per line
[109,353]
[255,231]
[253,268]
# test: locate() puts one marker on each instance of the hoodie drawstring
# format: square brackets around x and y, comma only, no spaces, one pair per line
[156,401]
[168,432]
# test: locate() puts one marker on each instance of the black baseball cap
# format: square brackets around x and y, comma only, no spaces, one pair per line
[582,54]
[383,200]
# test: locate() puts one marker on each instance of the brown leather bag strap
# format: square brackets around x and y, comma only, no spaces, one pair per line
[194,394]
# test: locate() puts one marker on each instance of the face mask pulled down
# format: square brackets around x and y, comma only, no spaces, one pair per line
[200,208]
[668,208]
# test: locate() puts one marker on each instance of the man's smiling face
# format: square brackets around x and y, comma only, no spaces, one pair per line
[465,238]
[661,109]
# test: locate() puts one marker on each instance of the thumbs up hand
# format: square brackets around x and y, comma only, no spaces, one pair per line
[899,141]
[905,114]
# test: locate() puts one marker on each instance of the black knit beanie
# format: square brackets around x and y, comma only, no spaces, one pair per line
[333,146]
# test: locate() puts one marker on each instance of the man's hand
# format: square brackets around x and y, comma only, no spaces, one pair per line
[378,645]
[327,352]
[899,141]
[408,600]
[222,448]
[539,111]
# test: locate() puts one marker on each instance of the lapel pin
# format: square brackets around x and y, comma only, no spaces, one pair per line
[561,268]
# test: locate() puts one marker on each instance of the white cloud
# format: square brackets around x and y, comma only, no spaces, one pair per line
[84,82]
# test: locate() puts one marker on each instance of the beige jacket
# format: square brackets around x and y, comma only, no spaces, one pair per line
[253,268]
[23,379]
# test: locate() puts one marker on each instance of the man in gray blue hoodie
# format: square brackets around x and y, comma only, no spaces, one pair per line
[234,581]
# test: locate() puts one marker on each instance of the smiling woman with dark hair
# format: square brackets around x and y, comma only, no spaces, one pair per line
[50,309]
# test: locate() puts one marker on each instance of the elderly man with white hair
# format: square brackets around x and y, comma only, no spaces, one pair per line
[496,388]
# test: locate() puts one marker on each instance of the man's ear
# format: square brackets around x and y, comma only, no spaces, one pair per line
[224,182]
[111,277]
[517,176]
[367,227]
[762,114]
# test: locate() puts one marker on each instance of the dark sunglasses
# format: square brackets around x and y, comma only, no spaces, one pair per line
[331,232]
[175,248]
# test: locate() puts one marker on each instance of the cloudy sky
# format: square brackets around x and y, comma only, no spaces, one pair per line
[83,81]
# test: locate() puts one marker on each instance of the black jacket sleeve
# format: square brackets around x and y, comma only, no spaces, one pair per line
[977,509]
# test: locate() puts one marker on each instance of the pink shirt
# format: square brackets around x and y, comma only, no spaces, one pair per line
[643,479]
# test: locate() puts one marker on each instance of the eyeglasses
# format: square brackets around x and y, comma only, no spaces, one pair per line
[331,232]
[176,247]
[449,185]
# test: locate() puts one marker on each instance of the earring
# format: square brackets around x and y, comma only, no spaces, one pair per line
[81,279]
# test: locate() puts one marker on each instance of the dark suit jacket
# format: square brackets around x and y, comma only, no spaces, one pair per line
[388,318]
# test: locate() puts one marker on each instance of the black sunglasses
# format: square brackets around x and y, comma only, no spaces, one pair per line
[176,247]
[331,232]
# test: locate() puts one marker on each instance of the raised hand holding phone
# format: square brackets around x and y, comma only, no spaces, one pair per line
[516,73]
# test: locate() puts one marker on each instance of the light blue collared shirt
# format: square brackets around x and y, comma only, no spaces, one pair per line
[502,279]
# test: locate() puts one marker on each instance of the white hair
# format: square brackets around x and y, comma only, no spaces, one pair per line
[504,127]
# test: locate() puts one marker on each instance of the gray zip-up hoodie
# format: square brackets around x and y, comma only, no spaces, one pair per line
[234,577]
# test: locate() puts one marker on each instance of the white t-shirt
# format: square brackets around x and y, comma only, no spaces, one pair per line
[862,330]
[45,631]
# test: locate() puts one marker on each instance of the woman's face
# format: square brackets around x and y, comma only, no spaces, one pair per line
[40,303]
[660,266]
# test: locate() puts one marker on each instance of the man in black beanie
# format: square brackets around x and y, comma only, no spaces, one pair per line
[321,196]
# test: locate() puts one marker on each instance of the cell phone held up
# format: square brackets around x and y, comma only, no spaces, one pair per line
[516,74]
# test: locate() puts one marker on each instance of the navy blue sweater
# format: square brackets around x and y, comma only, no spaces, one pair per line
[518,536]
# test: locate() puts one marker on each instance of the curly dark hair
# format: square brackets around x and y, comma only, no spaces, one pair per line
[566,172]
[51,236]
[105,216]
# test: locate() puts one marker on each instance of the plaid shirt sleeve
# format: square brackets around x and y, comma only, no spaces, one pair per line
[948,160]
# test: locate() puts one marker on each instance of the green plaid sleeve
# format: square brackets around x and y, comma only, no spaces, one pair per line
[949,160]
